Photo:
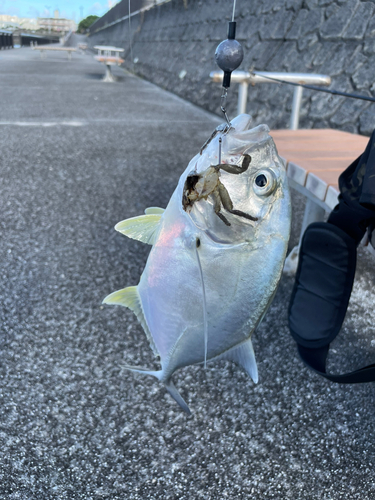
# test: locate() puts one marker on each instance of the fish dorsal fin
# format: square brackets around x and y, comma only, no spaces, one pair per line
[243,355]
[154,210]
[142,228]
[129,297]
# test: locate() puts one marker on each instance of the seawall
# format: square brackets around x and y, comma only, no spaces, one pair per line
[173,45]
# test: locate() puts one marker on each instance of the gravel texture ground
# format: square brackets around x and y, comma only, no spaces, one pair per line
[76,156]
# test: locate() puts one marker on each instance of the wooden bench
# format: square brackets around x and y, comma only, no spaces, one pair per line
[105,57]
[314,160]
[44,48]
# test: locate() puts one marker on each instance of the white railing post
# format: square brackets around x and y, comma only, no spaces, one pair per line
[242,97]
[296,108]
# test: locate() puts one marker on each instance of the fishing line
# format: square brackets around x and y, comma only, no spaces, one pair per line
[319,89]
[130,39]
[234,8]
[205,324]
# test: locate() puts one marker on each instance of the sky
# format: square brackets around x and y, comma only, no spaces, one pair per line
[69,9]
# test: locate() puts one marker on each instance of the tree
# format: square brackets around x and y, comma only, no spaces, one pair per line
[85,24]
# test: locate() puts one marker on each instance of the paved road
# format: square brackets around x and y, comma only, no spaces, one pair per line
[77,156]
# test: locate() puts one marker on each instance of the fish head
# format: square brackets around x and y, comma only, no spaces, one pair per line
[259,191]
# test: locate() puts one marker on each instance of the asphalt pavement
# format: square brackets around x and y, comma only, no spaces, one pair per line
[76,156]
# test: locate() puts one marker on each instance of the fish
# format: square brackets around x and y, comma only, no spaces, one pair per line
[217,254]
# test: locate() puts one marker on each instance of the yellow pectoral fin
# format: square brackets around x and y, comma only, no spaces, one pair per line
[154,210]
[143,228]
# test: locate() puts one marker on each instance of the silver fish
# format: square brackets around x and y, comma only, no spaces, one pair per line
[217,255]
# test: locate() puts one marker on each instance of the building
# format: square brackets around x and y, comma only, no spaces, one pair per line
[13,22]
[57,24]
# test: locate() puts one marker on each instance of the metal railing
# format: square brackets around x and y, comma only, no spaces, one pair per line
[34,40]
[245,78]
[6,40]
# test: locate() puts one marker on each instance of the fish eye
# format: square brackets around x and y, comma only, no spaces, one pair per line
[261,180]
[264,182]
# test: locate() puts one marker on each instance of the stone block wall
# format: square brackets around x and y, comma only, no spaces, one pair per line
[173,45]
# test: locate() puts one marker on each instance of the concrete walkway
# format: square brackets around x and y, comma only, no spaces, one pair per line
[76,157]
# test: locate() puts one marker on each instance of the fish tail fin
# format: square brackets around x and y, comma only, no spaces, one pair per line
[169,385]
[171,388]
[144,371]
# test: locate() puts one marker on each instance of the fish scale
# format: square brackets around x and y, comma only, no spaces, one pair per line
[208,283]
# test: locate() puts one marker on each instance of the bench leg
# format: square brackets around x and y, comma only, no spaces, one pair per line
[109,77]
[313,213]
[69,56]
